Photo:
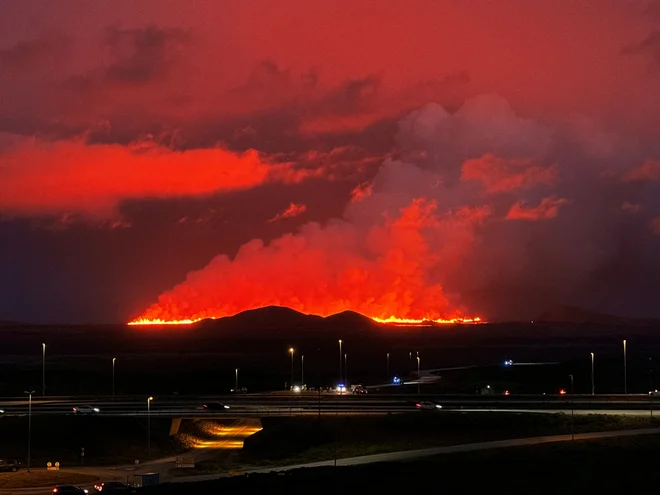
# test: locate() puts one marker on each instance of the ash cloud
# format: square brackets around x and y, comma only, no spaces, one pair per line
[452,242]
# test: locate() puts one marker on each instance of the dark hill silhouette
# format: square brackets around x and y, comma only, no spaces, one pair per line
[575,314]
[269,318]
[285,321]
[350,319]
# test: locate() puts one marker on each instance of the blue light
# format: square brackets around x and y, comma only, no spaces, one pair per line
[396,380]
[508,362]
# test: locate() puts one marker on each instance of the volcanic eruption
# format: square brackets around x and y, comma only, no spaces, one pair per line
[477,209]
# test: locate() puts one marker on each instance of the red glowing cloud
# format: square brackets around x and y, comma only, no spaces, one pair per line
[648,171]
[501,175]
[92,180]
[293,210]
[547,209]
[655,225]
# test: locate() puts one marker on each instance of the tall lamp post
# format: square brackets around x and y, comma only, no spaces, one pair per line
[29,427]
[149,426]
[292,352]
[302,371]
[114,360]
[388,368]
[572,409]
[418,360]
[625,368]
[345,368]
[593,386]
[236,381]
[43,369]
[341,376]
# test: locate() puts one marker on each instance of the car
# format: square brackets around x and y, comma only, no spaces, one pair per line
[215,406]
[428,406]
[9,465]
[114,487]
[87,409]
[69,489]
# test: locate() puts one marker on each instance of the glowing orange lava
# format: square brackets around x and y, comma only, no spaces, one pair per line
[157,321]
[391,320]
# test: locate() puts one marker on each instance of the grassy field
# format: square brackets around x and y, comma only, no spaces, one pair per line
[105,440]
[300,440]
[621,465]
[23,479]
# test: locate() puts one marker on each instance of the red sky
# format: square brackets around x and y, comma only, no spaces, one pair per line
[139,142]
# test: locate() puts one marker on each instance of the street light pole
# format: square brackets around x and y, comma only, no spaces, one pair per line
[292,352]
[418,360]
[43,369]
[572,409]
[236,384]
[341,376]
[114,359]
[345,368]
[302,371]
[29,428]
[149,426]
[625,368]
[593,386]
[388,368]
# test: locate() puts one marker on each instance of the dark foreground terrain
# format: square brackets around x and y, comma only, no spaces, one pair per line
[624,465]
[202,358]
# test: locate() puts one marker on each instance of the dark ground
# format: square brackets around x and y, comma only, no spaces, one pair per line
[623,465]
[202,359]
[105,440]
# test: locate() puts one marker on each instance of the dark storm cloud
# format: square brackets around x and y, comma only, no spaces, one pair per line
[652,9]
[355,95]
[26,55]
[649,46]
[139,57]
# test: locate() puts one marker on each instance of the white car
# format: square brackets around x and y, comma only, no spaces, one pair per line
[86,410]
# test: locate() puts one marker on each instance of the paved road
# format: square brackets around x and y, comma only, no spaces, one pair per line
[264,405]
[409,455]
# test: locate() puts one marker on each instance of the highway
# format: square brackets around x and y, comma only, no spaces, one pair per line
[264,405]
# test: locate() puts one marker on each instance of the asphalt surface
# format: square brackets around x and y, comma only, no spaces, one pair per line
[285,404]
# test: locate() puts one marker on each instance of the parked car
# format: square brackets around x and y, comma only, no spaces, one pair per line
[87,409]
[7,465]
[114,487]
[69,489]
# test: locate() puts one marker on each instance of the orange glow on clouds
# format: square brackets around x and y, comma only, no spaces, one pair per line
[548,208]
[647,171]
[501,175]
[92,180]
[381,273]
[293,210]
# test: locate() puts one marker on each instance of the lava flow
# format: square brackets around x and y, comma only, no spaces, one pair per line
[391,320]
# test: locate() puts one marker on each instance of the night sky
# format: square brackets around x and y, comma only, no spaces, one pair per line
[417,159]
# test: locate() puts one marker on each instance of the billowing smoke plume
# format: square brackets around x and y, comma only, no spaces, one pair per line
[483,212]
